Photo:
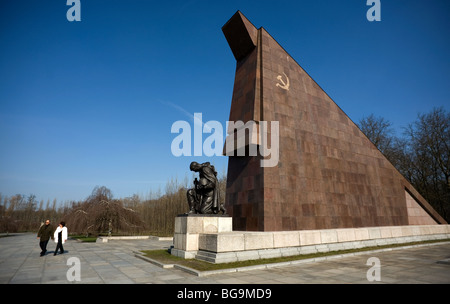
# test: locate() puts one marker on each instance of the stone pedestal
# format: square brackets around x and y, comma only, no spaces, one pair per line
[189,227]
[236,246]
[211,238]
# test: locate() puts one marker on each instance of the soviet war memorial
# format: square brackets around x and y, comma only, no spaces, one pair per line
[329,184]
[295,192]
[329,174]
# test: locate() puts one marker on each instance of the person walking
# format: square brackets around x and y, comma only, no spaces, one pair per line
[60,236]
[44,235]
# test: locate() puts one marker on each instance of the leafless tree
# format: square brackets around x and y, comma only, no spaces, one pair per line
[380,133]
[422,155]
[101,213]
[429,153]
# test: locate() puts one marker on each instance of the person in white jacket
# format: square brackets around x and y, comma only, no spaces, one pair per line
[60,237]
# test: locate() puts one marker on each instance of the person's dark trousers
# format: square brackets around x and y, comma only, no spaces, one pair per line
[59,246]
[43,245]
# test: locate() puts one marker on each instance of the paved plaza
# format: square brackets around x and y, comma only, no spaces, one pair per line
[115,262]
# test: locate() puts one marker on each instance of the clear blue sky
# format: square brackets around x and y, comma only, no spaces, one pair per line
[92,103]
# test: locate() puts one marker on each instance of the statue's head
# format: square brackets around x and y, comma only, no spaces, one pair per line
[194,166]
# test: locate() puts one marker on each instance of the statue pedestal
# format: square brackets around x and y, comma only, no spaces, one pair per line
[218,244]
[189,227]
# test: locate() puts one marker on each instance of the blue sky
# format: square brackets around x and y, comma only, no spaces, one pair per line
[92,103]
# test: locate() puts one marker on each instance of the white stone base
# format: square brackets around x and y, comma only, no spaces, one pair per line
[212,239]
[188,255]
[189,228]
[234,256]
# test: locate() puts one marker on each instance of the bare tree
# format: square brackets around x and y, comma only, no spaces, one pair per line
[380,133]
[100,194]
[429,152]
[100,213]
[422,155]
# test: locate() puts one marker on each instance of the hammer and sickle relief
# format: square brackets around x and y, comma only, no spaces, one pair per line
[282,84]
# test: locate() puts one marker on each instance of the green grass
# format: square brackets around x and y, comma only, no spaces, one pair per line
[163,256]
[84,238]
[5,235]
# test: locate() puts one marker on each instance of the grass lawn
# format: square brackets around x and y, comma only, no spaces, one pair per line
[84,238]
[5,235]
[163,256]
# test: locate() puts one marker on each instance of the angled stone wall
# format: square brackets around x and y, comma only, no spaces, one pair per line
[329,174]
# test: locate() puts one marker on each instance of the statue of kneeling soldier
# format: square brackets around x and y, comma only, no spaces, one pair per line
[204,197]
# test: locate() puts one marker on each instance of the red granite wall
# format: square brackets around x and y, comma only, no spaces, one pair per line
[329,174]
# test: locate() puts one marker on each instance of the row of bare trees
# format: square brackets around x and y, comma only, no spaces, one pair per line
[421,154]
[25,213]
[101,213]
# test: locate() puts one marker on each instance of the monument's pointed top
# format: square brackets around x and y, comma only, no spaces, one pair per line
[241,35]
[239,15]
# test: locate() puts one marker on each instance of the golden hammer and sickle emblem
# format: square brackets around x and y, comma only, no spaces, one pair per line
[282,84]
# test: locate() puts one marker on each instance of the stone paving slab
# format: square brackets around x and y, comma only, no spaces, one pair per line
[115,263]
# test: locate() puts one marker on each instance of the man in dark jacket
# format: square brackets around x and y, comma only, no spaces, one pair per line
[45,233]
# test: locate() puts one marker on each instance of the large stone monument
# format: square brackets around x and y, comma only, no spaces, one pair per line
[329,189]
[329,174]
